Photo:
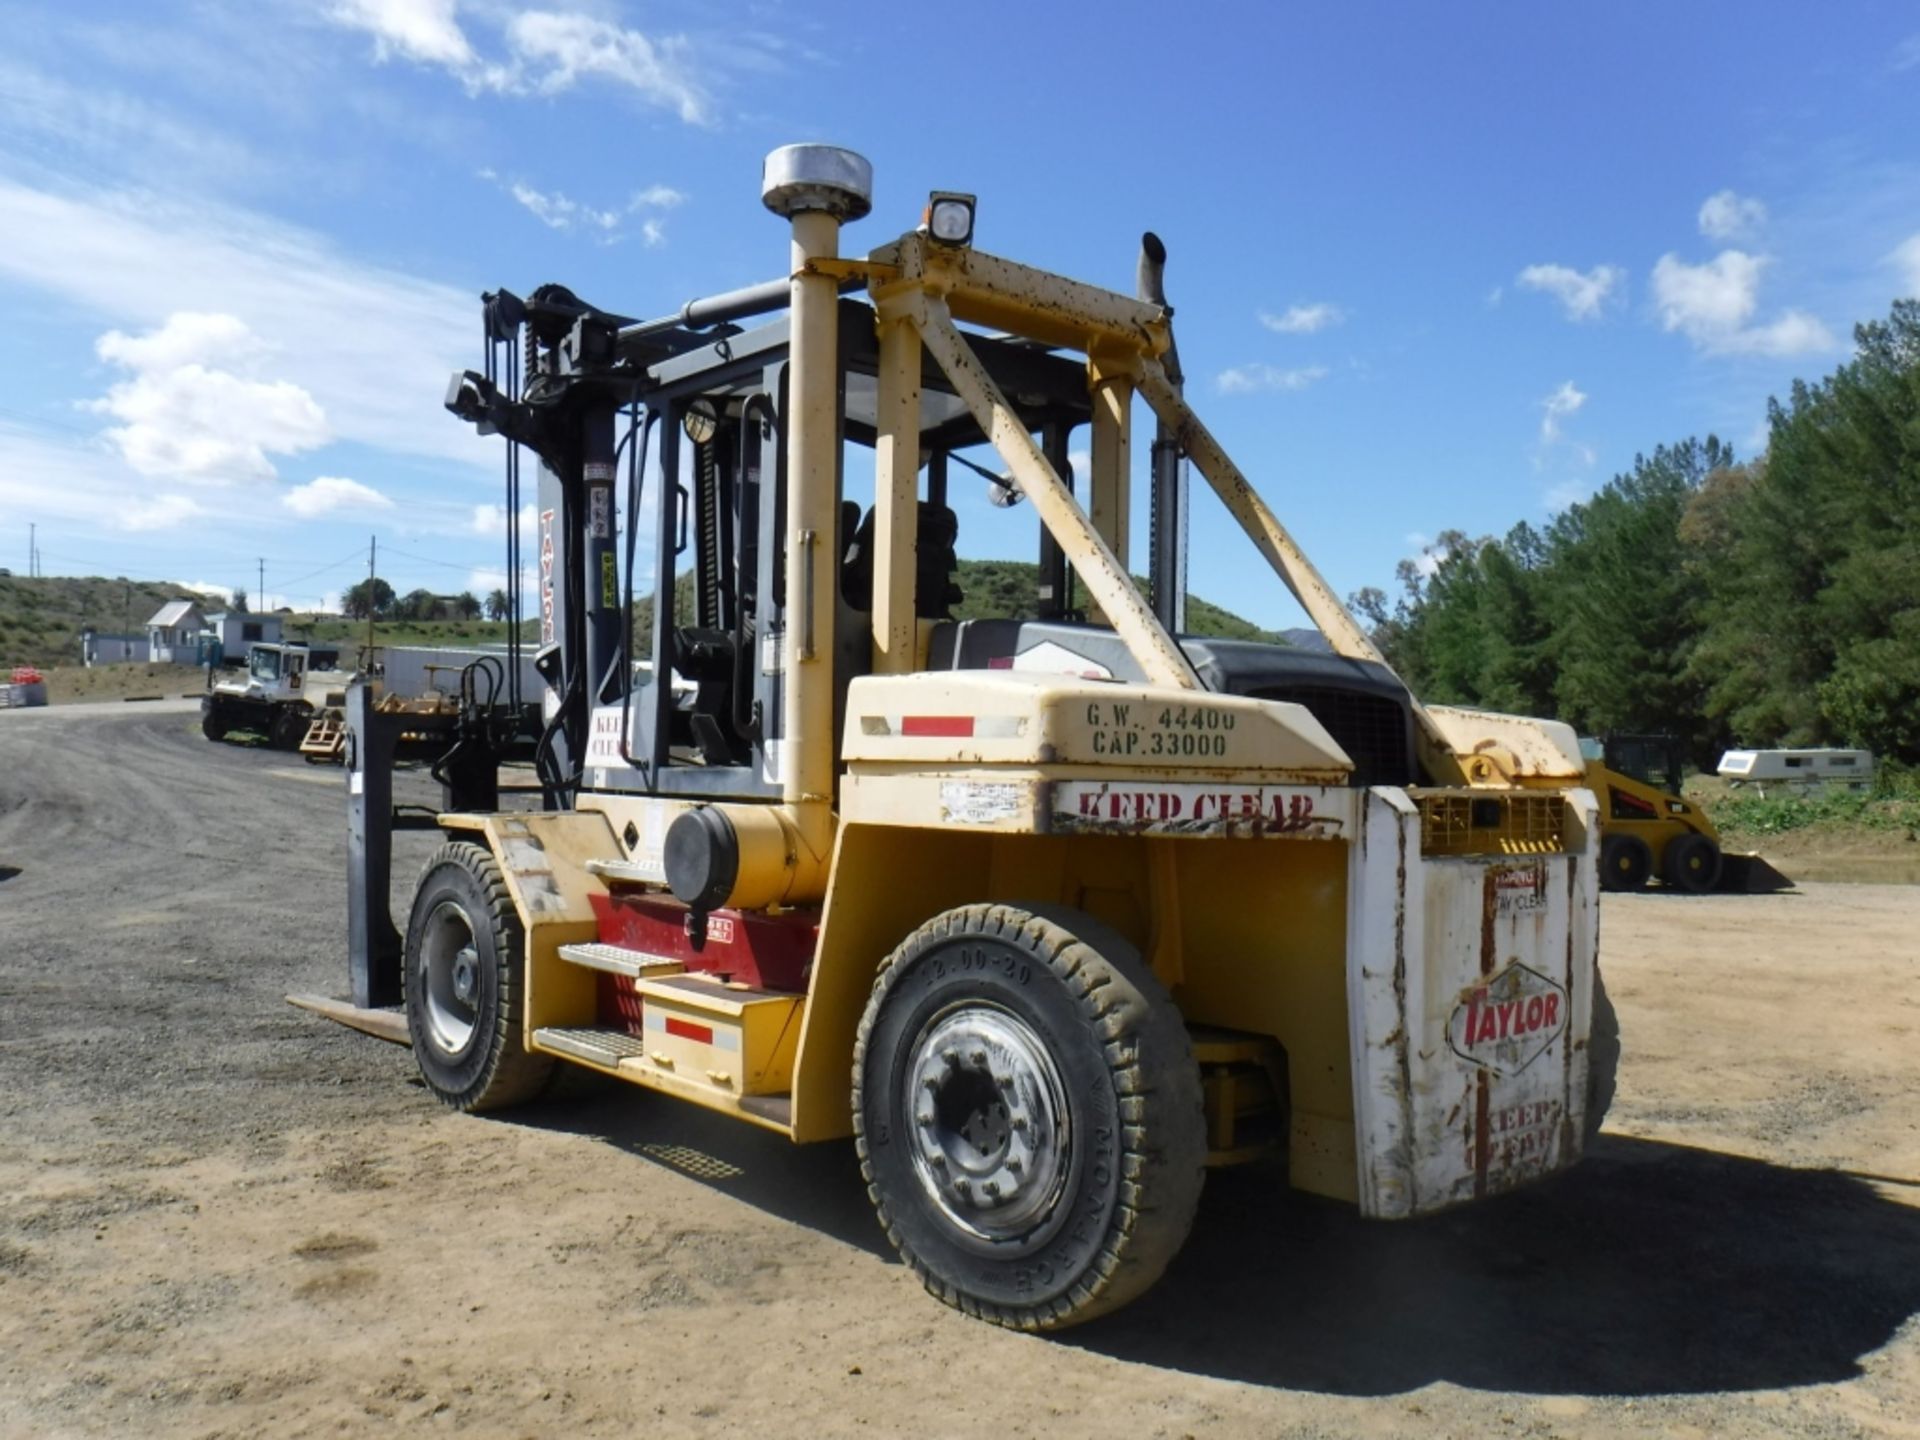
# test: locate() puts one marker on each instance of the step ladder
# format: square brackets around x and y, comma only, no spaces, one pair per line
[618,960]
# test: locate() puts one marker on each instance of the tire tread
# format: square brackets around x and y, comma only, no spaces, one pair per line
[1162,1159]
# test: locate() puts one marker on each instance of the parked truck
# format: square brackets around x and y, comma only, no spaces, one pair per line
[276,697]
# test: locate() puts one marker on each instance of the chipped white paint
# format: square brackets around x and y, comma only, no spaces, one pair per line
[1469,998]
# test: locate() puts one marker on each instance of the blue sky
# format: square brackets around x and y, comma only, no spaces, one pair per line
[1434,266]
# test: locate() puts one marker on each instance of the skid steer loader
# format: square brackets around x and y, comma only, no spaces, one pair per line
[1049,916]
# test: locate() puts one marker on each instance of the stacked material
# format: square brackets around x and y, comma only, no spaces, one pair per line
[27,687]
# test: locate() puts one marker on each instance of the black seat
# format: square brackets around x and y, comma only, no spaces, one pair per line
[706,658]
[935,563]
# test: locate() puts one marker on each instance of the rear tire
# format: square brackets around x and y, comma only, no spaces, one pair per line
[1692,864]
[290,723]
[212,726]
[1625,863]
[1603,1056]
[1027,1112]
[465,984]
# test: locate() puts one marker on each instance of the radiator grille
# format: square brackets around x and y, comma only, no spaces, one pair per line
[1372,729]
[1477,823]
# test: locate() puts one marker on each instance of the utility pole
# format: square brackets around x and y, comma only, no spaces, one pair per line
[126,622]
[33,550]
[260,590]
[373,560]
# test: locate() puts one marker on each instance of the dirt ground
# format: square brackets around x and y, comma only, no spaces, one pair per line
[220,1216]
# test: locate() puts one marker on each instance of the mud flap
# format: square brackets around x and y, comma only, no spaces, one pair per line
[1469,989]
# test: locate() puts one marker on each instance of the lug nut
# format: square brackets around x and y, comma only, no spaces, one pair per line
[993,1190]
[1015,1164]
[1020,1122]
[979,1057]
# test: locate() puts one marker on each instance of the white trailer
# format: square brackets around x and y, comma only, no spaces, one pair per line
[414,670]
[1811,770]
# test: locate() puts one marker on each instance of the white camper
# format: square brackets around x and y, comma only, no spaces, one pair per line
[1809,770]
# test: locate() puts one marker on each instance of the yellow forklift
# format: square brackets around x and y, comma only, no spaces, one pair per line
[1049,916]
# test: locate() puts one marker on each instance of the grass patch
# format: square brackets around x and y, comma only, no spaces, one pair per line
[1891,805]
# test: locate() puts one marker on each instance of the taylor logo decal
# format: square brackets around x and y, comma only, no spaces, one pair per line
[1506,1023]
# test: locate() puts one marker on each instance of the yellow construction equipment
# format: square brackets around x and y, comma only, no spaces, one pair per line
[1651,831]
[1048,915]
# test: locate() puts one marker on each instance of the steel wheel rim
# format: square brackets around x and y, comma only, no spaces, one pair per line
[992,1137]
[450,976]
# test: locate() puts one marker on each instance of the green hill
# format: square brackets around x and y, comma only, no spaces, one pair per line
[1004,590]
[41,618]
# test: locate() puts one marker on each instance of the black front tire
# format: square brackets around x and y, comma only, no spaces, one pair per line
[290,725]
[1027,1111]
[465,984]
[1625,863]
[212,726]
[1692,864]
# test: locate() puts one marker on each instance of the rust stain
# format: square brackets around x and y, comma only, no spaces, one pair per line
[1489,909]
[1482,1142]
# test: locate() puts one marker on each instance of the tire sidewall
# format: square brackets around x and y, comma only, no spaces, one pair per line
[935,976]
[1635,877]
[1678,875]
[454,1076]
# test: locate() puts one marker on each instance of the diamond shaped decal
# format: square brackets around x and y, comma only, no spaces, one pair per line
[1504,1024]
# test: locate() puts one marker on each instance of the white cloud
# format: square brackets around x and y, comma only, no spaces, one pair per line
[328,493]
[558,49]
[157,512]
[1713,303]
[184,414]
[1711,299]
[656,197]
[1906,54]
[318,313]
[1303,319]
[81,486]
[545,51]
[1562,403]
[1727,216]
[1795,332]
[560,213]
[1581,296]
[484,579]
[1247,379]
[490,521]
[221,593]
[1907,257]
[127,130]
[423,30]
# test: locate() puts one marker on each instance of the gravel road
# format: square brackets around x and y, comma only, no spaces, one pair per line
[220,1216]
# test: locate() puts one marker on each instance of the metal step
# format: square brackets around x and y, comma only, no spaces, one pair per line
[618,960]
[592,1044]
[775,1108]
[623,872]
